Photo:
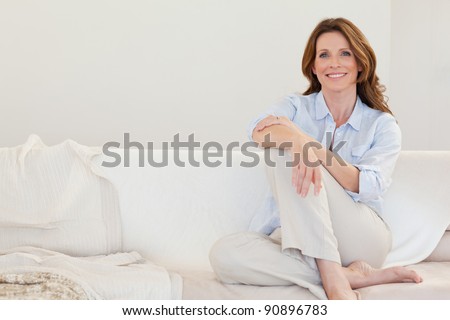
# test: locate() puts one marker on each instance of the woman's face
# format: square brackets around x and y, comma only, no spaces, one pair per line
[335,64]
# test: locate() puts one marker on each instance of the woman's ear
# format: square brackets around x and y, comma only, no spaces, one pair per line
[313,70]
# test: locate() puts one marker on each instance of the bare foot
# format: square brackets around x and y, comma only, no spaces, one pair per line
[360,274]
[334,280]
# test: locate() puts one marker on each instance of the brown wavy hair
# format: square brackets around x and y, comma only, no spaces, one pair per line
[368,86]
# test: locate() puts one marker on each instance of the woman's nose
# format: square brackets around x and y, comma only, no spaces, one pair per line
[334,62]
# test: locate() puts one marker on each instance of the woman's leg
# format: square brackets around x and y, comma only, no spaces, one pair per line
[334,230]
[334,281]
[360,274]
[256,259]
[329,226]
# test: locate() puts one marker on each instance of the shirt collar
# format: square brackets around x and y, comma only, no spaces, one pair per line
[321,107]
[355,118]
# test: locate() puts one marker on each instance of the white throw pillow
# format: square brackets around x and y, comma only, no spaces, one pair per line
[50,197]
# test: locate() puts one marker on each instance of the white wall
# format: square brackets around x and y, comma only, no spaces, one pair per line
[91,70]
[420,72]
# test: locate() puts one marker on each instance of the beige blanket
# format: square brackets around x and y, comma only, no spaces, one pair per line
[40,285]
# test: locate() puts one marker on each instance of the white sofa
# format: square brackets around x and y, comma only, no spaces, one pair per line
[173,215]
[67,217]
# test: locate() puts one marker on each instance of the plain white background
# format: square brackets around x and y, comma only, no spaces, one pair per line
[91,70]
[420,72]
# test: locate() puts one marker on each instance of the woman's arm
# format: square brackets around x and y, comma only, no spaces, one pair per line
[345,173]
[286,137]
[271,133]
[285,134]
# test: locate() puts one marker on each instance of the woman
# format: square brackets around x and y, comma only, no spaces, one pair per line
[344,142]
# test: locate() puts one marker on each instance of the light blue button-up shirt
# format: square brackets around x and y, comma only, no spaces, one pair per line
[370,140]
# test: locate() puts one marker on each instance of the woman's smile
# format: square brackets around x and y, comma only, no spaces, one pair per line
[335,75]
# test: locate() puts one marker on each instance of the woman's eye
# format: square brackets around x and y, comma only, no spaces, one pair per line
[346,53]
[323,55]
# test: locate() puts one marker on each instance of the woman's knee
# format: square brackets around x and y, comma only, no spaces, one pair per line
[276,159]
[226,249]
[228,254]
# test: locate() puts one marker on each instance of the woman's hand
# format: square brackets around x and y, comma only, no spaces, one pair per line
[306,165]
[273,120]
[306,170]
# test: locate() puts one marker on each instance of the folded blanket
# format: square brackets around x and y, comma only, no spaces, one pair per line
[39,285]
[34,273]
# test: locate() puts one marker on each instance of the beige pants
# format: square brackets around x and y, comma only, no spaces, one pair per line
[329,226]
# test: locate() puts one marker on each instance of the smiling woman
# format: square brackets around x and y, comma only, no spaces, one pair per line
[326,234]
[335,65]
[351,45]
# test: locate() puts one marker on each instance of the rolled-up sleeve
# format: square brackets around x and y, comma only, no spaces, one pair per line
[285,108]
[377,164]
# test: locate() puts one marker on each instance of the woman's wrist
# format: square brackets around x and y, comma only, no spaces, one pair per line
[306,145]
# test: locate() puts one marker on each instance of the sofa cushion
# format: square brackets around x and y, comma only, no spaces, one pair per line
[173,215]
[417,208]
[435,286]
[204,285]
[51,198]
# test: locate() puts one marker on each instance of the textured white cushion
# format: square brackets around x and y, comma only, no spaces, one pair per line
[51,198]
